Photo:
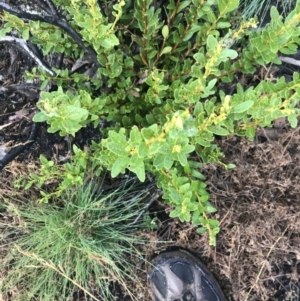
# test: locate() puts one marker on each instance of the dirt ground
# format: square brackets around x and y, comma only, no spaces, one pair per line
[257,256]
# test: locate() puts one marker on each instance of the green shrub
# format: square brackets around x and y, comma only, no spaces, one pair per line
[84,242]
[165,87]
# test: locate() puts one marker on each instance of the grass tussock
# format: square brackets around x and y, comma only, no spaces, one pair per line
[83,242]
[261,8]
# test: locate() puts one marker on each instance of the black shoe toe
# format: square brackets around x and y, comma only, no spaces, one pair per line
[180,276]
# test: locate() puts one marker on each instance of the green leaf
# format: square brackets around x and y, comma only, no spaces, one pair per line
[117,149]
[184,188]
[223,24]
[163,161]
[226,6]
[213,223]
[118,138]
[212,43]
[119,167]
[187,149]
[155,148]
[211,84]
[230,166]
[110,41]
[201,230]
[182,158]
[116,143]
[126,121]
[44,84]
[150,132]
[183,5]
[138,167]
[228,54]
[197,217]
[274,13]
[204,198]
[209,208]
[215,231]
[43,160]
[250,132]
[293,120]
[167,49]
[218,130]
[25,34]
[159,161]
[74,113]
[168,162]
[135,135]
[188,36]
[198,175]
[175,196]
[175,212]
[40,117]
[142,150]
[243,107]
[165,31]
[184,217]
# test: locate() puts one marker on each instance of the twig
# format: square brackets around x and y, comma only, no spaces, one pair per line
[42,5]
[30,90]
[52,19]
[22,45]
[289,60]
[52,7]
[20,148]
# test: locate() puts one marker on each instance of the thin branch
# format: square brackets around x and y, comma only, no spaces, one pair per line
[54,20]
[22,45]
[289,60]
[20,148]
[52,7]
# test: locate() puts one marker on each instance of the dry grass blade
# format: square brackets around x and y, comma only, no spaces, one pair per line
[264,262]
[82,241]
[56,269]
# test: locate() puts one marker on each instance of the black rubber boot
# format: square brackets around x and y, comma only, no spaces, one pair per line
[180,276]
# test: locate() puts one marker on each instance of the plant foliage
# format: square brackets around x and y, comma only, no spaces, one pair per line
[164,85]
[85,241]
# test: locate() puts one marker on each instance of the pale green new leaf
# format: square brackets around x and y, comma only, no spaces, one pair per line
[40,117]
[165,31]
[183,5]
[228,54]
[110,41]
[243,107]
[226,6]
[167,49]
[119,167]
[138,167]
[293,120]
[212,42]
